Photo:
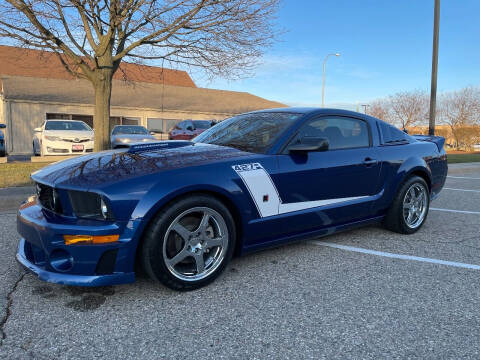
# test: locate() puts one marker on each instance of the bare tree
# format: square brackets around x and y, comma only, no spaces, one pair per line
[91,38]
[408,108]
[380,109]
[460,111]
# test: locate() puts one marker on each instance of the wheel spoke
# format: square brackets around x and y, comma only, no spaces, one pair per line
[420,196]
[209,243]
[182,231]
[200,263]
[411,192]
[407,206]
[410,215]
[204,223]
[182,255]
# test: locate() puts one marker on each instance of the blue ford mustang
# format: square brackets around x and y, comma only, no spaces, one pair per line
[181,209]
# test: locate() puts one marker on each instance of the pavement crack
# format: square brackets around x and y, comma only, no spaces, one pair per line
[8,310]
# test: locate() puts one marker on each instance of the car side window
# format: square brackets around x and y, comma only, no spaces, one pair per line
[341,132]
[189,125]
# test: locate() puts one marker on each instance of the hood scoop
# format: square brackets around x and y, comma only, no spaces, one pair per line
[159,145]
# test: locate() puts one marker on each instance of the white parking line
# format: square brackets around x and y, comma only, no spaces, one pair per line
[477,191]
[456,211]
[463,177]
[397,256]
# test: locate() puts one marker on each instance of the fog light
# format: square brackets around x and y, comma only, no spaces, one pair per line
[89,239]
[61,260]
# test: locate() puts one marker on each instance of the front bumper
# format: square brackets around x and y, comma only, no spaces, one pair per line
[42,250]
[66,148]
[69,279]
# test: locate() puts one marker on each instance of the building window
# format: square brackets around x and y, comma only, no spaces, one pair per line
[53,116]
[130,120]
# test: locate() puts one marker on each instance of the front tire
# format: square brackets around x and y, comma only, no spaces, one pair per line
[189,243]
[409,208]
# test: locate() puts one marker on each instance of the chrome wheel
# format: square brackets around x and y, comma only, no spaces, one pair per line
[415,205]
[195,244]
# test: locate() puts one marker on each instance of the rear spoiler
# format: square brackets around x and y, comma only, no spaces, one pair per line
[437,140]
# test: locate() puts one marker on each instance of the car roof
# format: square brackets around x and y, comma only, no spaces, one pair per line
[127,126]
[315,111]
[64,120]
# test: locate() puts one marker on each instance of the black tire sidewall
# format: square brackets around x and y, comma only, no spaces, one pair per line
[398,205]
[152,246]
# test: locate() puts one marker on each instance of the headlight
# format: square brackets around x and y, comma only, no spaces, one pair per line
[90,205]
[52,138]
[92,138]
[126,140]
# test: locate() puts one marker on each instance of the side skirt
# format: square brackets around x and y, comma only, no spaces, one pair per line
[317,233]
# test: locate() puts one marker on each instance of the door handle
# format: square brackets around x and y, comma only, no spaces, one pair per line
[369,161]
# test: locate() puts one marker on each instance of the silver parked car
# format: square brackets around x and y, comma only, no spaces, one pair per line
[125,135]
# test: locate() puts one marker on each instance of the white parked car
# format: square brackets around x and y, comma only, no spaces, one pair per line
[62,137]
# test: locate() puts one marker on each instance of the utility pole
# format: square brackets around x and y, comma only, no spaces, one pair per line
[433,90]
[365,106]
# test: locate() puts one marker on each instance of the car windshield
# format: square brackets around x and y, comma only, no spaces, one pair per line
[202,124]
[254,132]
[130,130]
[67,125]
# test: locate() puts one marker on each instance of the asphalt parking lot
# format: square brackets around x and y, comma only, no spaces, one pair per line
[306,300]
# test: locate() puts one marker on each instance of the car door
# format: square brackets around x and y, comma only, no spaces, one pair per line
[333,187]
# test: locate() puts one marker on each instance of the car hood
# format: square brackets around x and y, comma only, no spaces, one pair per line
[98,170]
[69,133]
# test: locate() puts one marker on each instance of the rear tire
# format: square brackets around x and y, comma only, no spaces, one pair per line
[189,243]
[409,208]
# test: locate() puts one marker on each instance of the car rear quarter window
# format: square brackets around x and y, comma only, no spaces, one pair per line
[391,135]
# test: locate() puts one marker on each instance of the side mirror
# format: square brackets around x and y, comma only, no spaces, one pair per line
[190,128]
[38,129]
[309,144]
[3,126]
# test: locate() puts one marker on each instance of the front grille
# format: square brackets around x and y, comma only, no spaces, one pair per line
[48,198]
[76,140]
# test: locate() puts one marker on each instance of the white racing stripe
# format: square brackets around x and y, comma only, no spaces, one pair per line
[463,177]
[477,191]
[456,211]
[397,256]
[266,197]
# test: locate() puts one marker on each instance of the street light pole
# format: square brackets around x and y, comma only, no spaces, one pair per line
[323,80]
[433,90]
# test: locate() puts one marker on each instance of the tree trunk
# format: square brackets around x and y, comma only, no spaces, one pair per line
[101,119]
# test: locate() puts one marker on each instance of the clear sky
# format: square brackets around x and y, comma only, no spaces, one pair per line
[385,46]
